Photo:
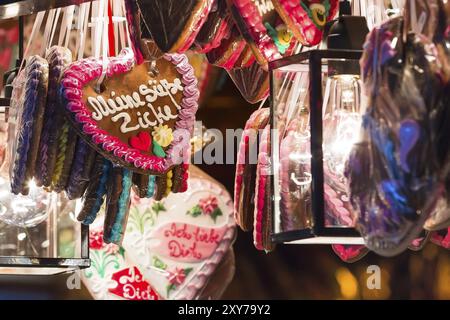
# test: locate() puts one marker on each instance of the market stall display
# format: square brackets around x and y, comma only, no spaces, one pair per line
[101,125]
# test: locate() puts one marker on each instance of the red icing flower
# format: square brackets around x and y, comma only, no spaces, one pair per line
[96,239]
[176,277]
[208,205]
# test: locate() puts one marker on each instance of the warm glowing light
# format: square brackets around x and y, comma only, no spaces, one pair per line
[342,121]
[348,283]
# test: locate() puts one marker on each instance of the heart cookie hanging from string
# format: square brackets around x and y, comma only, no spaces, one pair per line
[142,116]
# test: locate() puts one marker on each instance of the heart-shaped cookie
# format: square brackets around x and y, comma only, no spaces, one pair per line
[252,82]
[307,18]
[245,177]
[260,24]
[171,247]
[217,26]
[350,253]
[178,242]
[141,120]
[173,25]
[111,275]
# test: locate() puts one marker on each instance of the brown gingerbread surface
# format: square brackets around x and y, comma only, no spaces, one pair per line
[115,112]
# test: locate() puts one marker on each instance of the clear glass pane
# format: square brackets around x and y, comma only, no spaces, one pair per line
[341,110]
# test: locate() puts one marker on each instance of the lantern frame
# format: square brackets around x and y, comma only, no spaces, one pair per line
[319,233]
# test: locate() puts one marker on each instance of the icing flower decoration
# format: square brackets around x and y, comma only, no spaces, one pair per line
[176,277]
[163,135]
[208,205]
[96,239]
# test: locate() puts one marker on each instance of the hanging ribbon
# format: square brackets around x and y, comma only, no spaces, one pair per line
[111,33]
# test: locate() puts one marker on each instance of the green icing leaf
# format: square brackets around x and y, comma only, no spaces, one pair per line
[216,213]
[158,263]
[195,211]
[170,287]
[187,271]
[122,252]
[157,207]
[158,150]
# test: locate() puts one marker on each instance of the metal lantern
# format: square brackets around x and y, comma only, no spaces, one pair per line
[301,191]
[316,115]
[302,217]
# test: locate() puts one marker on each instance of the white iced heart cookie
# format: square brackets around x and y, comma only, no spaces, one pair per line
[178,242]
[111,275]
[171,248]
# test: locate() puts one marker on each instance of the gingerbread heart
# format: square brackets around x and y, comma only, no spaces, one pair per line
[137,107]
[111,275]
[261,26]
[252,82]
[216,27]
[350,253]
[173,25]
[171,247]
[307,18]
[178,242]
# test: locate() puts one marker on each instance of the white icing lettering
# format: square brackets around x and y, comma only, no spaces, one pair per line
[116,106]
[126,120]
[264,6]
[95,104]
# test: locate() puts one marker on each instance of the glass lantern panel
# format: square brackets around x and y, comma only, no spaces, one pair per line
[341,110]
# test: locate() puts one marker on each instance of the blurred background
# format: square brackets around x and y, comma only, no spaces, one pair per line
[290,272]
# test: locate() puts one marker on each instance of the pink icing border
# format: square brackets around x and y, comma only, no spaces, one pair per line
[240,165]
[224,30]
[192,290]
[262,172]
[248,12]
[84,71]
[303,24]
[350,254]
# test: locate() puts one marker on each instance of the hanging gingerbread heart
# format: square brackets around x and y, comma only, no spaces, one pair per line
[263,216]
[252,82]
[143,115]
[263,29]
[171,247]
[217,26]
[173,25]
[350,253]
[307,18]
[227,54]
[245,177]
[111,275]
[178,242]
